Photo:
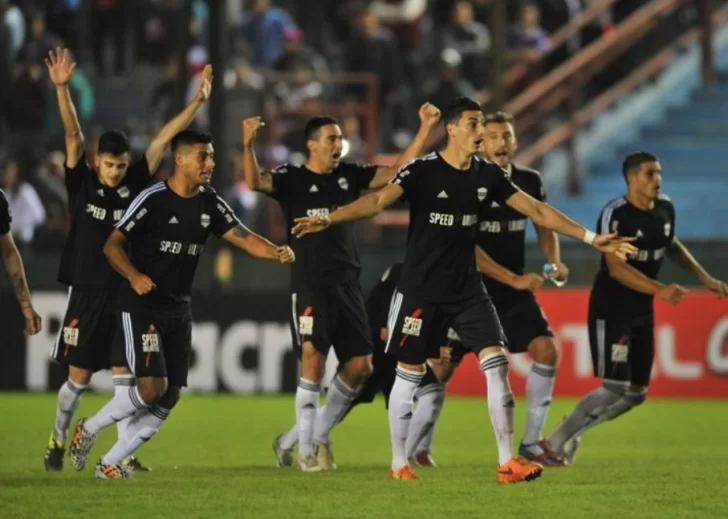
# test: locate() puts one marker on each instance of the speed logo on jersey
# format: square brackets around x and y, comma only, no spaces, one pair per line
[305,322]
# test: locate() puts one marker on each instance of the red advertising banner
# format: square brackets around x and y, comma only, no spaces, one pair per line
[691,349]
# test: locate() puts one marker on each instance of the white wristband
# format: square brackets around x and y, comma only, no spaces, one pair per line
[589,237]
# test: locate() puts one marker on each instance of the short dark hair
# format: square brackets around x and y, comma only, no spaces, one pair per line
[455,108]
[633,161]
[114,142]
[189,137]
[313,126]
[499,118]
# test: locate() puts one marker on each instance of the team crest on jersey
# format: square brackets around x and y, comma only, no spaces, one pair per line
[100,192]
[482,193]
[343,183]
[123,192]
[205,220]
[668,228]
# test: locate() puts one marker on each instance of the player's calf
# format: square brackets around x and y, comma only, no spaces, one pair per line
[539,392]
[69,397]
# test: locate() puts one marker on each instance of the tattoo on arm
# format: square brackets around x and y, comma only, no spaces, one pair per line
[21,288]
[241,231]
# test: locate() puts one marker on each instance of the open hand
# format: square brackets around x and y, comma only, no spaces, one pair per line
[60,68]
[204,89]
[613,244]
[309,225]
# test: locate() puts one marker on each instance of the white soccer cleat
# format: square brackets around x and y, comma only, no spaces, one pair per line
[106,471]
[309,463]
[324,455]
[284,457]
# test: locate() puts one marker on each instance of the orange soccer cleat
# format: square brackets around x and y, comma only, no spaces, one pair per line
[405,472]
[519,469]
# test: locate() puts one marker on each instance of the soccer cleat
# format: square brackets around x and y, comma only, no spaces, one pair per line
[570,448]
[284,457]
[324,455]
[134,465]
[519,469]
[105,471]
[54,454]
[309,463]
[541,452]
[423,459]
[80,445]
[405,473]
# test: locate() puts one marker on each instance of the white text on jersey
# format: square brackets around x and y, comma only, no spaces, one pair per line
[448,220]
[176,247]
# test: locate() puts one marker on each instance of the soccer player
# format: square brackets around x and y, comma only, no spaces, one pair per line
[97,200]
[440,285]
[14,267]
[502,236]
[167,226]
[327,303]
[621,314]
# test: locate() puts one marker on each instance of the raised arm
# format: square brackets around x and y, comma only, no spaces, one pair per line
[681,255]
[255,245]
[60,70]
[155,150]
[16,273]
[256,177]
[364,207]
[429,117]
[548,217]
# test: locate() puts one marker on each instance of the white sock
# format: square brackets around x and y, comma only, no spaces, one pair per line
[122,383]
[140,429]
[307,396]
[429,405]
[288,440]
[400,412]
[338,398]
[586,414]
[501,405]
[124,404]
[69,397]
[539,389]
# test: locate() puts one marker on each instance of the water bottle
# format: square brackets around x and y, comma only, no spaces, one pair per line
[550,271]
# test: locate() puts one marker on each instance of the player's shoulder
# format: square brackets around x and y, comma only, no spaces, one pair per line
[285,169]
[615,204]
[483,165]
[208,191]
[151,194]
[420,163]
[527,173]
[3,198]
[664,201]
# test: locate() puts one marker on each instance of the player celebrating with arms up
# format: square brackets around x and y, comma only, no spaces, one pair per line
[621,313]
[97,200]
[167,226]
[440,283]
[327,303]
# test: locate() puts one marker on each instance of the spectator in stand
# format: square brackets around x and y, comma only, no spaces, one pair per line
[108,24]
[471,40]
[40,41]
[25,205]
[527,40]
[264,32]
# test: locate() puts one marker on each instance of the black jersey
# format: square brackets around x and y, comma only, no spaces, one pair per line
[655,231]
[380,298]
[5,216]
[444,204]
[95,209]
[166,234]
[502,229]
[331,256]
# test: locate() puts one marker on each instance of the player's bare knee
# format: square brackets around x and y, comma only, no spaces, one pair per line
[543,350]
[79,376]
[151,389]
[170,397]
[420,368]
[487,350]
[120,370]
[443,369]
[357,369]
[313,363]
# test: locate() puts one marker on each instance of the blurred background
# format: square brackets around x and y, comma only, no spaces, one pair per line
[588,81]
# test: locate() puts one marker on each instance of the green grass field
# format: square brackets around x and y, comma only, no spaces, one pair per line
[213,458]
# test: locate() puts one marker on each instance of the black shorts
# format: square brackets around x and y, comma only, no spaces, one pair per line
[523,320]
[622,347]
[335,316]
[154,346]
[414,322]
[88,330]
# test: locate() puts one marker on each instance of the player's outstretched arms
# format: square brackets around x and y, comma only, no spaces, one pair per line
[681,255]
[255,245]
[256,177]
[549,217]
[429,118]
[360,209]
[16,273]
[491,268]
[60,70]
[115,253]
[155,150]
[632,278]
